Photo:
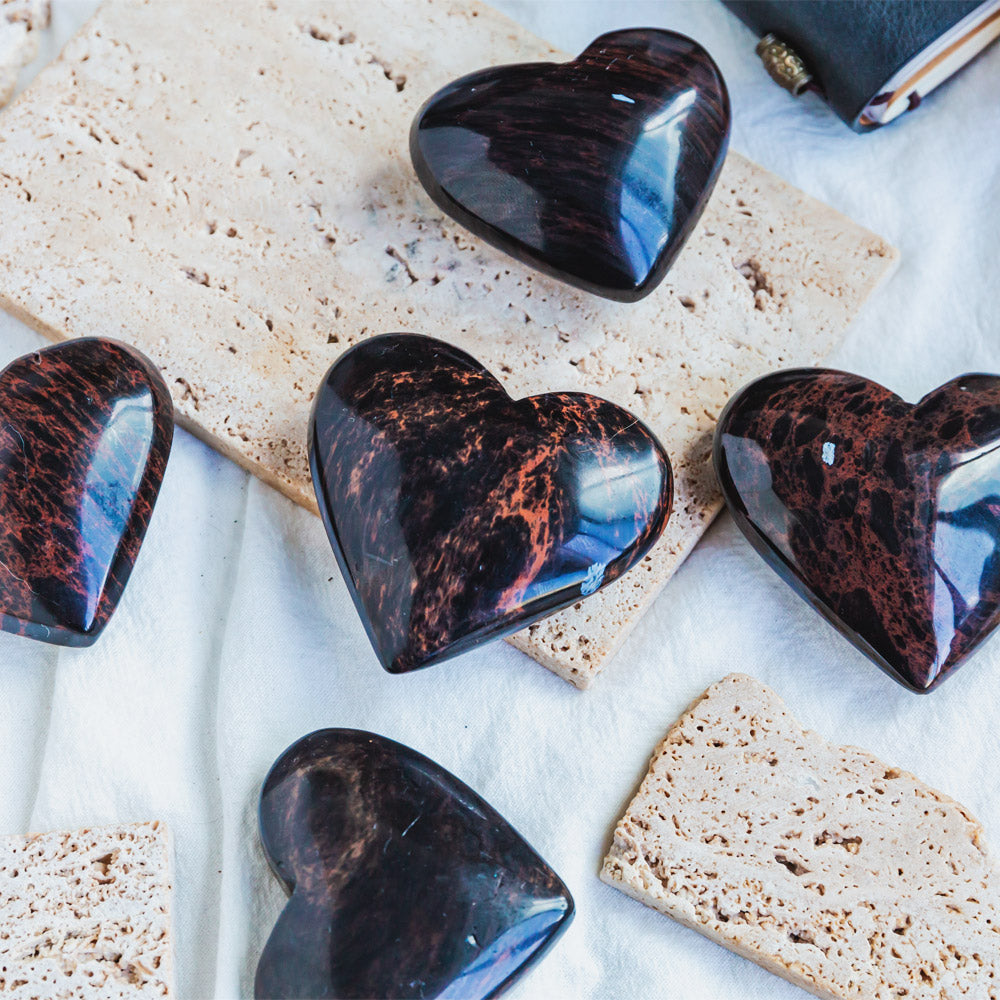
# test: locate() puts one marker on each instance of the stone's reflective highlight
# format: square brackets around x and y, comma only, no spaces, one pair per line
[85,431]
[458,514]
[403,881]
[885,516]
[594,171]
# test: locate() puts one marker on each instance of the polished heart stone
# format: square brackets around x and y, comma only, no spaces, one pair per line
[85,430]
[403,881]
[594,171]
[458,514]
[884,515]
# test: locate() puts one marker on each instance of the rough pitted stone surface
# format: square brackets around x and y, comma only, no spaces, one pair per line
[20,22]
[843,875]
[86,914]
[228,187]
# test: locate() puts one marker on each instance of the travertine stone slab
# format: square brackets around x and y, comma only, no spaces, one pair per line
[842,874]
[86,914]
[20,23]
[228,187]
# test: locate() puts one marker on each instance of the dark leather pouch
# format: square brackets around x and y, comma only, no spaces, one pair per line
[871,59]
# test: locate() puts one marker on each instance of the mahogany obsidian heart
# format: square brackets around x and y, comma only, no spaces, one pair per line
[594,171]
[85,431]
[884,515]
[458,514]
[403,881]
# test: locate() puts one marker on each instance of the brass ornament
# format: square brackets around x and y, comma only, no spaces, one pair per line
[783,64]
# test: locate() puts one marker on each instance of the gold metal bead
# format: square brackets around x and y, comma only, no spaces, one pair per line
[783,64]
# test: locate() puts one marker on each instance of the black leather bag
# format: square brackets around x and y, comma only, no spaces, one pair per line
[871,60]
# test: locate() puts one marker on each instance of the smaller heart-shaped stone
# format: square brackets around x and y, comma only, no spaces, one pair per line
[403,881]
[85,431]
[884,515]
[458,514]
[594,171]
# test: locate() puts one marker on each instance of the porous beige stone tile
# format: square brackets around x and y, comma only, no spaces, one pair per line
[86,914]
[842,874]
[20,22]
[228,187]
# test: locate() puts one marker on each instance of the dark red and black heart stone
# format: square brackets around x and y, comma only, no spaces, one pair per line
[458,514]
[884,515]
[85,431]
[594,171]
[403,881]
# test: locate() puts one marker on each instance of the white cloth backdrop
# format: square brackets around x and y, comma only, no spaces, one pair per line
[236,635]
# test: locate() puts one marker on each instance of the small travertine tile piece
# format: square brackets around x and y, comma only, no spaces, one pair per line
[843,875]
[20,22]
[86,914]
[228,187]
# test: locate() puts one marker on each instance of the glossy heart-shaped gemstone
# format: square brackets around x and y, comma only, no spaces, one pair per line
[85,431]
[594,171]
[458,514]
[884,515]
[403,881]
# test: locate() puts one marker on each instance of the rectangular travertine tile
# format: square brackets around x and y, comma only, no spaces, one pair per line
[842,874]
[228,187]
[86,914]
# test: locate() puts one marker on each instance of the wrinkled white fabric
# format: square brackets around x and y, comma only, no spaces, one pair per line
[236,634]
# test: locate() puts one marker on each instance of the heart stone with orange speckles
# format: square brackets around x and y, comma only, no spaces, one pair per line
[884,515]
[458,514]
[594,171]
[403,882]
[85,431]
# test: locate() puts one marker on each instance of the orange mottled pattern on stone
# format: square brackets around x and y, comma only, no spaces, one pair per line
[458,514]
[594,171]
[85,431]
[884,515]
